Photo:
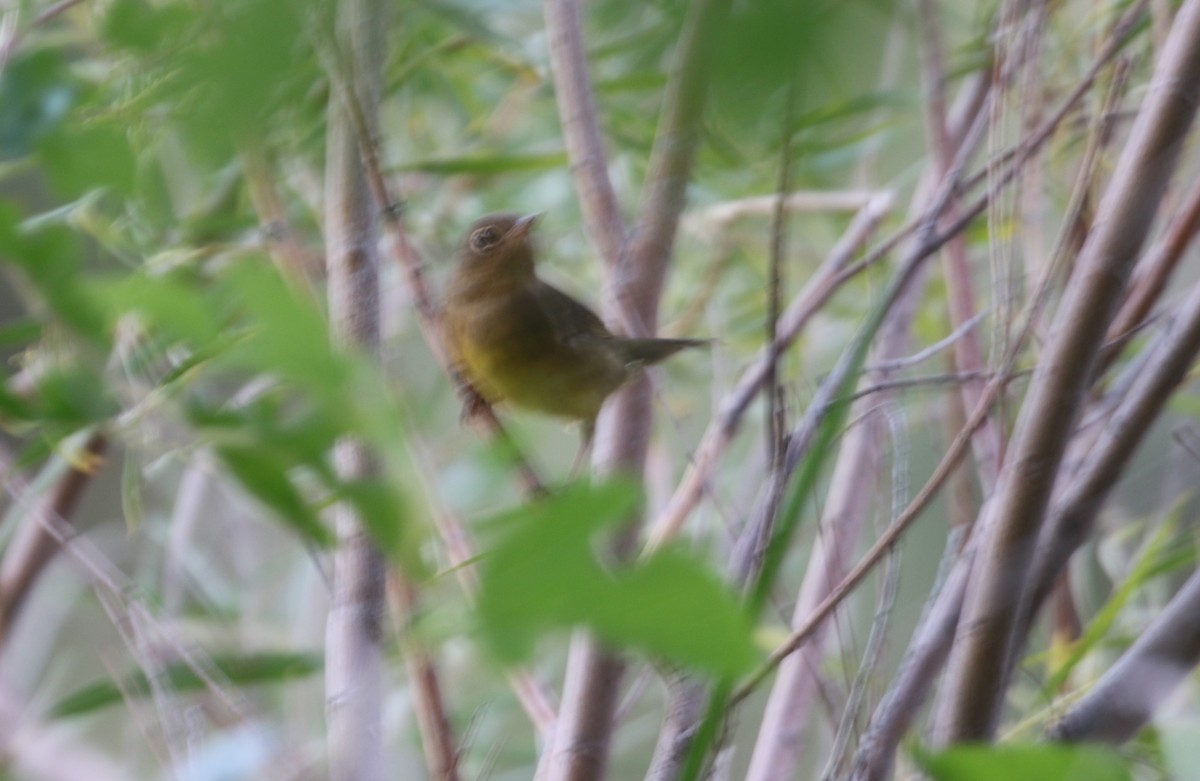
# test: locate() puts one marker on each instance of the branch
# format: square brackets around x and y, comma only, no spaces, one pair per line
[1129,693]
[1060,381]
[403,252]
[437,737]
[354,665]
[581,128]
[34,545]
[930,645]
[579,748]
[826,281]
[1075,512]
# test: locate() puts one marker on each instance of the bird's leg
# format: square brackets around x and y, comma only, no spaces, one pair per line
[587,435]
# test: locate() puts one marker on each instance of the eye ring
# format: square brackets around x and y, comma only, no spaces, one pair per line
[484,239]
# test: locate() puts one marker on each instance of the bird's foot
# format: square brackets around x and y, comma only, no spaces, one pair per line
[474,404]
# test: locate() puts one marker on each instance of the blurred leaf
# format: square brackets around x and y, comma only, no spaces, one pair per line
[385,514]
[1159,555]
[1004,763]
[246,59]
[19,332]
[265,475]
[483,165]
[241,670]
[36,93]
[167,303]
[287,334]
[78,158]
[144,27]
[49,256]
[544,575]
[73,396]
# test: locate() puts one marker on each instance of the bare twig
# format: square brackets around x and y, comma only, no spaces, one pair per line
[720,432]
[1130,691]
[926,353]
[354,682]
[401,249]
[535,700]
[34,545]
[930,645]
[719,216]
[590,690]
[987,444]
[581,128]
[1060,381]
[1171,356]
[437,737]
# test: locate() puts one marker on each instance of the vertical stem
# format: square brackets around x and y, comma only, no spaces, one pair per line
[999,589]
[579,749]
[354,652]
[581,128]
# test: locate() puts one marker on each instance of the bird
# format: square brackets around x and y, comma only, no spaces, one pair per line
[513,337]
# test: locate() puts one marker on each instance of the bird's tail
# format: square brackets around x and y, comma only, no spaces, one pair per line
[649,351]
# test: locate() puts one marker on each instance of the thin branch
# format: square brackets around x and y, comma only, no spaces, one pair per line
[779,742]
[437,737]
[925,354]
[950,460]
[1057,390]
[1171,357]
[720,432]
[1158,266]
[402,251]
[871,657]
[1129,692]
[581,128]
[719,216]
[354,664]
[579,749]
[34,545]
[988,443]
[537,702]
[718,435]
[930,646]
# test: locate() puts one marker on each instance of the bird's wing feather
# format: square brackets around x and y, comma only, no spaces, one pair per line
[572,320]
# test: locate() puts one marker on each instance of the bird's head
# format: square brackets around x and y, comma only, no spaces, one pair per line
[500,244]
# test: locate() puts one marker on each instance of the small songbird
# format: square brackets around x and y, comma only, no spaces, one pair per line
[516,338]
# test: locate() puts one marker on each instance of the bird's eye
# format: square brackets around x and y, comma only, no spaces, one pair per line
[484,239]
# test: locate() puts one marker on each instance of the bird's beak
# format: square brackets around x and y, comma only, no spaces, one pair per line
[523,225]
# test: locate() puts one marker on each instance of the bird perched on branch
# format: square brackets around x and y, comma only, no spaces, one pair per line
[516,338]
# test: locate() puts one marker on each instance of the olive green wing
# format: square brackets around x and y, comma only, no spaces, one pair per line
[572,320]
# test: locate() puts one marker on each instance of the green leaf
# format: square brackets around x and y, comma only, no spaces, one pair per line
[49,256]
[142,27]
[1042,762]
[36,92]
[247,59]
[167,303]
[265,475]
[484,165]
[544,575]
[286,334]
[384,512]
[19,332]
[80,158]
[241,670]
[73,396]
[1158,556]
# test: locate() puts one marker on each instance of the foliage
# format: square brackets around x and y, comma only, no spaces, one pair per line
[162,232]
